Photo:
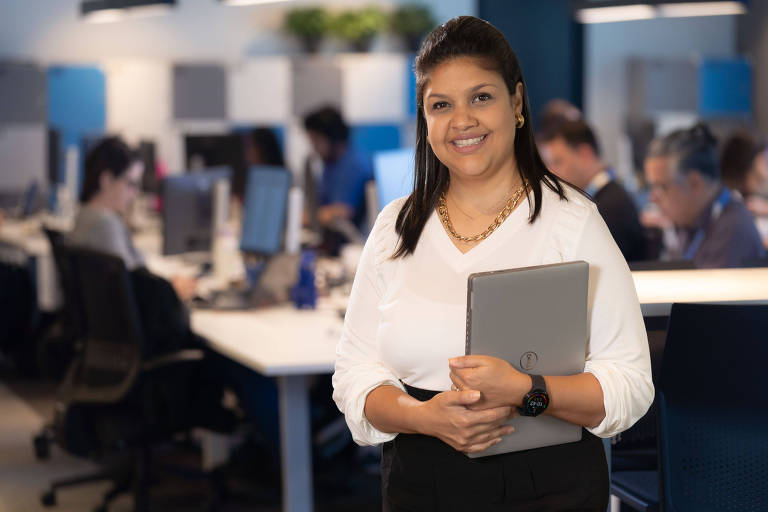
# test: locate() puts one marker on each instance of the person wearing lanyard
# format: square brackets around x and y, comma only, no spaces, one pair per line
[571,151]
[715,229]
[482,200]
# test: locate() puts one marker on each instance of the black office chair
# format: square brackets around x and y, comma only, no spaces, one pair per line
[19,313]
[713,414]
[115,403]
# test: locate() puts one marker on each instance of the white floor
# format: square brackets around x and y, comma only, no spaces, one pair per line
[23,478]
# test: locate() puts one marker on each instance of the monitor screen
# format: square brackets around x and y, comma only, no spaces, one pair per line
[207,151]
[188,210]
[147,155]
[393,172]
[264,209]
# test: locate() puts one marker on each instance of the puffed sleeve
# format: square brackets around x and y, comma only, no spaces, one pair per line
[618,354]
[358,368]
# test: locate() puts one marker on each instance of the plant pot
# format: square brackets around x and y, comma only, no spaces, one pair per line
[311,44]
[362,44]
[413,42]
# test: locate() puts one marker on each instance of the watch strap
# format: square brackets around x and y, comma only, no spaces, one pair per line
[538,382]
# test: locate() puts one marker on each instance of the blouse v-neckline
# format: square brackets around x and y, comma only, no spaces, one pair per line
[458,260]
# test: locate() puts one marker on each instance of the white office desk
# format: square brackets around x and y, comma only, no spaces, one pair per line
[659,289]
[28,237]
[289,344]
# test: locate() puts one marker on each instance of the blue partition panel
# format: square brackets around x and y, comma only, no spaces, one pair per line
[76,104]
[725,87]
[373,138]
[410,86]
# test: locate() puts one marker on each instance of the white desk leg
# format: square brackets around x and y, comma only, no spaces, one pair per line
[295,446]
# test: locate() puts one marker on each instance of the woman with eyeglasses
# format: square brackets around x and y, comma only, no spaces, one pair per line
[113,175]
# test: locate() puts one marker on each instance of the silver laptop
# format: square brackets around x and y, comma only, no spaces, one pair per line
[536,319]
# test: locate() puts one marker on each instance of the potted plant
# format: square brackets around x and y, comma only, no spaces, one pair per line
[309,24]
[357,27]
[412,22]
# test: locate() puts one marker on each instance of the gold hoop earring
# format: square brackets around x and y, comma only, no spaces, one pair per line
[520,121]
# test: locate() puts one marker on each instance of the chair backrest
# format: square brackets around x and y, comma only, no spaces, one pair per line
[72,308]
[713,408]
[113,341]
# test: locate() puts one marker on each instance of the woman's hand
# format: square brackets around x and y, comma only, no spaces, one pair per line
[448,418]
[185,286]
[498,382]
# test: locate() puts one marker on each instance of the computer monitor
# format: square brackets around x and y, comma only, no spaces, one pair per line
[264,209]
[147,155]
[188,210]
[393,172]
[208,151]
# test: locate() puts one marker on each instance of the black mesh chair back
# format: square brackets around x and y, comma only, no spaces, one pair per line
[713,407]
[72,309]
[113,344]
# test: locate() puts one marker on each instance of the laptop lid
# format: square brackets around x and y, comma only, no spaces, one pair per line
[536,319]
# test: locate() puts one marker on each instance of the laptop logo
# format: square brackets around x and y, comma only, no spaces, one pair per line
[529,360]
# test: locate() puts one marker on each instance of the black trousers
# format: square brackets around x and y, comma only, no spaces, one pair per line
[423,474]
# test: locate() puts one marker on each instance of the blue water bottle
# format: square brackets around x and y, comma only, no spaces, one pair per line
[304,294]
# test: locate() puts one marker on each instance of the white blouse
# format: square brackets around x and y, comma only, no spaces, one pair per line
[407,316]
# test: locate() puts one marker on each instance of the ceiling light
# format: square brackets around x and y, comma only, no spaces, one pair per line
[105,11]
[615,13]
[684,9]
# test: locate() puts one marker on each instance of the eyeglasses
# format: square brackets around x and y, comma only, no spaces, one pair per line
[661,187]
[134,184]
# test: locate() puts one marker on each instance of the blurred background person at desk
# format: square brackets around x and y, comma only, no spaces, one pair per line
[714,227]
[340,191]
[113,174]
[571,151]
[744,164]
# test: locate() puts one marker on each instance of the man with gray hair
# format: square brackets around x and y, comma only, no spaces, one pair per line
[714,227]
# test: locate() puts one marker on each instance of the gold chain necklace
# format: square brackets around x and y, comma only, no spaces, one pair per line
[442,211]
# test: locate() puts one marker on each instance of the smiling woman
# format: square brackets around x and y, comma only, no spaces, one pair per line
[483,200]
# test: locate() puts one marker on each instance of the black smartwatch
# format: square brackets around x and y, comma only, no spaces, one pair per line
[536,400]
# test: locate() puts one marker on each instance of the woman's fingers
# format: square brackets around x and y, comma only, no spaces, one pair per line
[483,440]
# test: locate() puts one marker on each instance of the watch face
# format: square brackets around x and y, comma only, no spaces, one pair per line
[536,403]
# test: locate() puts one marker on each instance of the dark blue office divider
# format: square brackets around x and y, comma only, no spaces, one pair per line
[372,137]
[548,42]
[76,105]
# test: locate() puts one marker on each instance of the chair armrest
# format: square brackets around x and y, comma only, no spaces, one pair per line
[180,356]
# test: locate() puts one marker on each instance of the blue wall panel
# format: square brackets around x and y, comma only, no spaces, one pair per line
[372,137]
[725,88]
[76,105]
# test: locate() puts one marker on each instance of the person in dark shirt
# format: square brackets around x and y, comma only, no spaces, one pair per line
[714,227]
[346,169]
[744,165]
[571,151]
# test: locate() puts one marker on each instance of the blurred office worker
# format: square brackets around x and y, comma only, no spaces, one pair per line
[715,229]
[744,164]
[571,151]
[341,188]
[113,174]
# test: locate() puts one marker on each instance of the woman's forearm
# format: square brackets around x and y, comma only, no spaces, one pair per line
[576,399]
[391,410]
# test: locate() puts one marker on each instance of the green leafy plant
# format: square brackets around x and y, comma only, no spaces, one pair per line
[359,26]
[412,22]
[310,24]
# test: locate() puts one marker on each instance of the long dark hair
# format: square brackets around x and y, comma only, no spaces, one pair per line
[465,36]
[111,155]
